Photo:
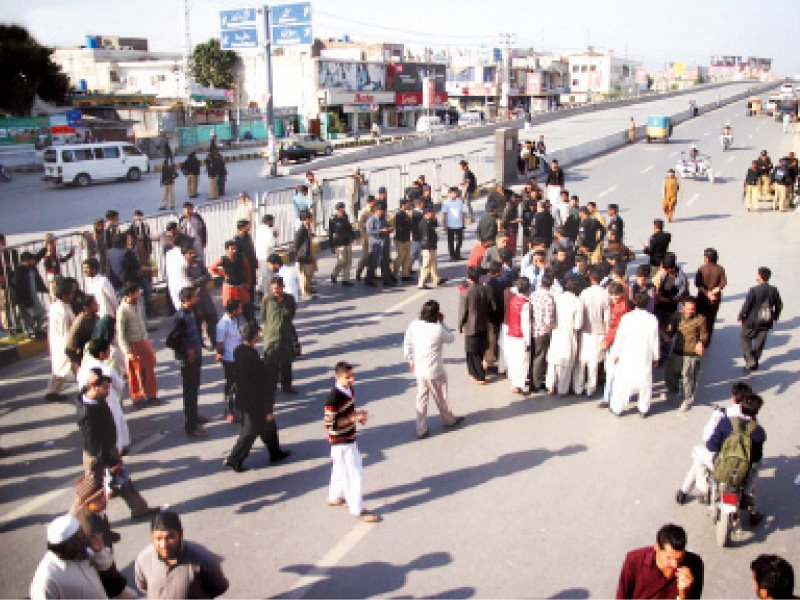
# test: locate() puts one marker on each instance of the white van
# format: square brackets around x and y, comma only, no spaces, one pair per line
[471,117]
[80,164]
[429,123]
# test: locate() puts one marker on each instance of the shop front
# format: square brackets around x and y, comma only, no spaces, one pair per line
[418,87]
[350,112]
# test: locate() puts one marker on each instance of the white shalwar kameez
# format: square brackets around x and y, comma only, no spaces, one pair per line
[563,342]
[59,321]
[113,398]
[634,351]
[517,350]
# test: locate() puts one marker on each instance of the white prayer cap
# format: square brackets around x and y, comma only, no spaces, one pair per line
[61,529]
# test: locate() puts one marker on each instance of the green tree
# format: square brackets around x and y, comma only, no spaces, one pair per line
[214,67]
[26,69]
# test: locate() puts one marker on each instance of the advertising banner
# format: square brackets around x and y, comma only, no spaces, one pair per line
[351,76]
[533,85]
[333,97]
[407,77]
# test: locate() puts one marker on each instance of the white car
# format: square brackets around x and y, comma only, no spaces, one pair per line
[787,89]
[430,124]
[470,118]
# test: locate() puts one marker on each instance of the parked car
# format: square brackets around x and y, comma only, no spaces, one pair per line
[295,152]
[787,89]
[471,117]
[80,164]
[429,124]
[312,142]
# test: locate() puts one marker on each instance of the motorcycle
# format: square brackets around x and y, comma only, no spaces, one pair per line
[726,141]
[726,503]
[5,174]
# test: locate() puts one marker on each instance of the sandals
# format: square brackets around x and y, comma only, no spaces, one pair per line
[369,517]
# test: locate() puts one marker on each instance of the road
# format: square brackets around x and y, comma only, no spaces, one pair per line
[533,497]
[29,207]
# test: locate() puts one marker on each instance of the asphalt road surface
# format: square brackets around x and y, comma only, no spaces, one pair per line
[532,497]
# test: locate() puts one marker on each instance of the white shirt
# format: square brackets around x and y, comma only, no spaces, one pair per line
[265,241]
[56,578]
[291,280]
[175,267]
[454,213]
[734,410]
[229,336]
[100,287]
[422,346]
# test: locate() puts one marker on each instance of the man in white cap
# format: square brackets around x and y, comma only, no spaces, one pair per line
[66,571]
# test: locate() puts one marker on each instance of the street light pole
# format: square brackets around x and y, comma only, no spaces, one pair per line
[271,158]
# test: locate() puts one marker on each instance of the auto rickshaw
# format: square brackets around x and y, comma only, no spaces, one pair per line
[753,106]
[658,128]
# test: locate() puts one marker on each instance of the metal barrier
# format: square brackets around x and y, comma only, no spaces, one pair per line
[428,168]
[392,179]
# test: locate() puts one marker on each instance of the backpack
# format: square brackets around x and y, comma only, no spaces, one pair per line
[174,339]
[733,460]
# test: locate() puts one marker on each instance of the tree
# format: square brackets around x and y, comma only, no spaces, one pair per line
[27,69]
[214,67]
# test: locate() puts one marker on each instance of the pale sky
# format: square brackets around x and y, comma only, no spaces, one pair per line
[655,32]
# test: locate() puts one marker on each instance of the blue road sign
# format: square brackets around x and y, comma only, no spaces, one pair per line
[291,14]
[237,18]
[291,35]
[239,39]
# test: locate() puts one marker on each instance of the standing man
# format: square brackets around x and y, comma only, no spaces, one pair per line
[340,240]
[28,284]
[475,305]
[469,187]
[615,222]
[191,170]
[554,182]
[683,365]
[256,385]
[542,224]
[315,191]
[764,173]
[379,233]
[632,131]
[172,567]
[140,358]
[247,249]
[710,280]
[671,288]
[340,420]
[188,347]
[618,307]
[658,246]
[60,319]
[235,271]
[175,263]
[596,306]
[304,253]
[422,348]
[168,177]
[364,216]
[564,340]
[280,338]
[761,309]
[543,319]
[228,339]
[428,242]
[192,225]
[665,570]
[80,332]
[670,194]
[416,219]
[635,353]
[517,340]
[266,239]
[487,225]
[773,577]
[751,191]
[453,222]
[402,240]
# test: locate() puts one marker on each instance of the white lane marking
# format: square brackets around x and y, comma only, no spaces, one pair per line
[692,199]
[706,133]
[378,317]
[42,499]
[674,153]
[607,192]
[319,571]
[730,158]
[646,169]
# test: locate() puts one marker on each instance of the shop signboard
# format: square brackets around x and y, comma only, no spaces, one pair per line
[336,97]
[533,85]
[351,76]
[413,99]
[407,77]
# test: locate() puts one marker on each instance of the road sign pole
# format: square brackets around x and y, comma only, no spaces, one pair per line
[272,158]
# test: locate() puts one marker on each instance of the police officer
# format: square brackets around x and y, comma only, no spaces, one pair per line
[340,240]
[379,233]
[615,222]
[402,223]
[751,187]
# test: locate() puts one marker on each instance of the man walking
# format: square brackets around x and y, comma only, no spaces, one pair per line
[710,280]
[422,348]
[304,254]
[635,353]
[364,216]
[256,385]
[670,194]
[379,233]
[139,355]
[751,185]
[188,349]
[60,320]
[402,241]
[340,240]
[683,365]
[453,222]
[280,338]
[469,187]
[228,339]
[761,309]
[428,243]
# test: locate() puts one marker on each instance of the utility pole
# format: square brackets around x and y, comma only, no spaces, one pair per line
[187,60]
[506,41]
[271,158]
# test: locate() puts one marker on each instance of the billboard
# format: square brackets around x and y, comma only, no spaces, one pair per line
[533,85]
[408,77]
[351,76]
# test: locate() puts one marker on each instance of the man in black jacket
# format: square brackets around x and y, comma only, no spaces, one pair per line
[247,249]
[255,384]
[340,240]
[96,425]
[428,242]
[487,225]
[28,284]
[543,224]
[761,309]
[658,246]
[416,220]
[304,253]
[402,239]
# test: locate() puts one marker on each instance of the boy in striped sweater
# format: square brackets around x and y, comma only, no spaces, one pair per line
[341,417]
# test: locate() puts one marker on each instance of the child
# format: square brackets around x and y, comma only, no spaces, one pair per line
[341,417]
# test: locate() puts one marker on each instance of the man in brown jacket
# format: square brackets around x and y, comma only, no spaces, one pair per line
[710,280]
[683,365]
[476,304]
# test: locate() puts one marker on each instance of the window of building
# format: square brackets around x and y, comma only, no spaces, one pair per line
[574,68]
[113,76]
[575,82]
[593,68]
[584,68]
[626,71]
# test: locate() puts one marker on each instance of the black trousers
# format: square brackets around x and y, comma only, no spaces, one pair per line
[753,341]
[281,366]
[476,348]
[455,238]
[229,394]
[539,347]
[211,326]
[252,428]
[190,378]
[709,311]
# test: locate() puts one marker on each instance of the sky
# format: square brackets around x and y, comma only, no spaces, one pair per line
[655,32]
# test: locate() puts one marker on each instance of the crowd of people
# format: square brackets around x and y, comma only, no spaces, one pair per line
[547,301]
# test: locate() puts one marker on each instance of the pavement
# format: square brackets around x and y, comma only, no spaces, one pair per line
[531,497]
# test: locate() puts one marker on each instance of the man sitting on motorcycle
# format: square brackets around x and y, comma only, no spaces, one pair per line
[693,152]
[703,456]
[727,129]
